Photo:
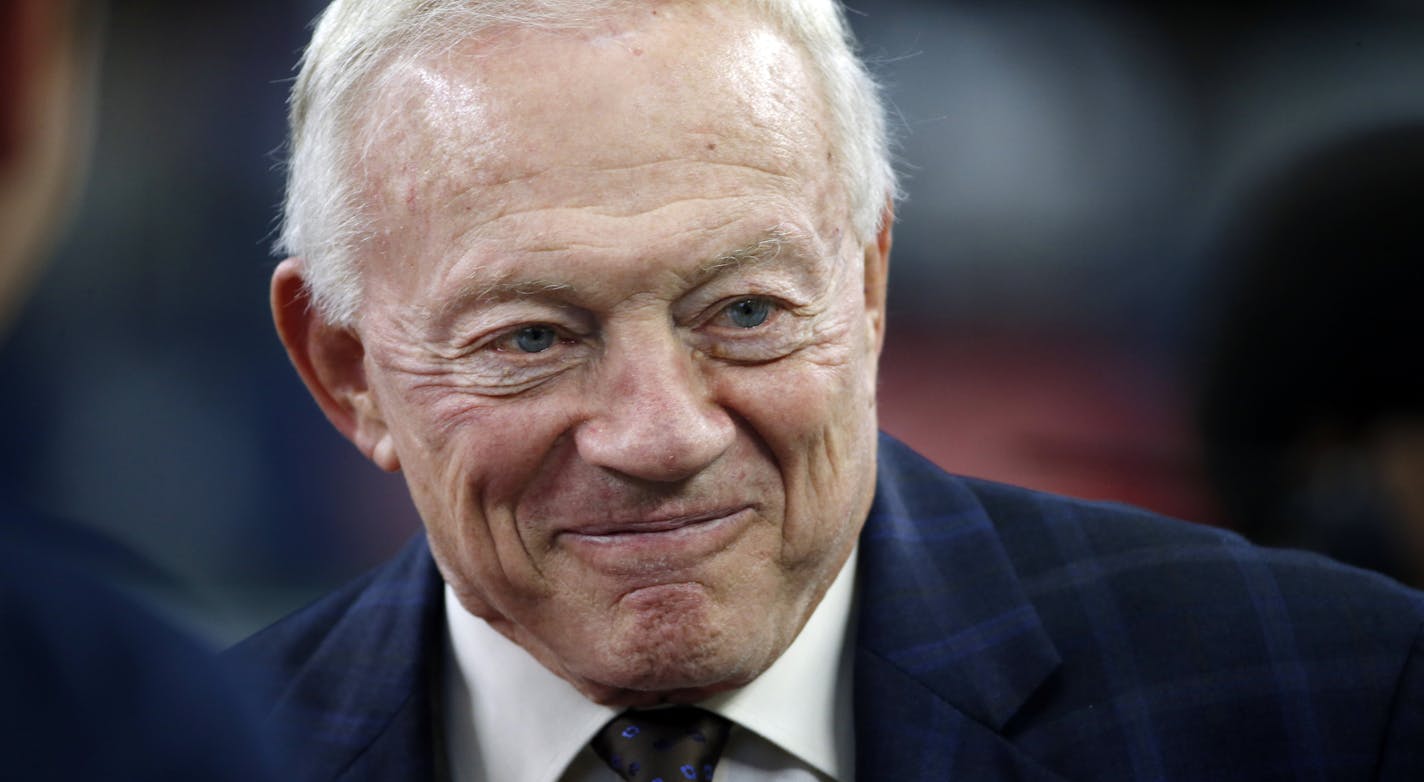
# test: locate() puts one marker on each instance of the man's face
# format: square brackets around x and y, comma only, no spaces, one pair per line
[621,341]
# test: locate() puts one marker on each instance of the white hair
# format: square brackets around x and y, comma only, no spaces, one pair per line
[356,41]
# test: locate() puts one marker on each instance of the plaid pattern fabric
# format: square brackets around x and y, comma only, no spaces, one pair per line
[1006,634]
[1003,634]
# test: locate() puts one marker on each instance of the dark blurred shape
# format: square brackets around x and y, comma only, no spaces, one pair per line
[92,686]
[1313,400]
[96,687]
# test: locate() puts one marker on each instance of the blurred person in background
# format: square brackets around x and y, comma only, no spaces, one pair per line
[1313,403]
[606,282]
[92,686]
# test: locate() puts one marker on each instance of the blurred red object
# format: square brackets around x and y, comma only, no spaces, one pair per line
[1086,420]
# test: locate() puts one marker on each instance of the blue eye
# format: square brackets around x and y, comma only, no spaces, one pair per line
[535,339]
[749,313]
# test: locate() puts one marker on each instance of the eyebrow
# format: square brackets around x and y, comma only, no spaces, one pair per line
[514,289]
[769,247]
[487,292]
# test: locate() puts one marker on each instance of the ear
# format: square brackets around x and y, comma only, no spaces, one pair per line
[332,362]
[877,270]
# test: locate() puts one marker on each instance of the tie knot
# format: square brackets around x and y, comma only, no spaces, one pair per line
[678,744]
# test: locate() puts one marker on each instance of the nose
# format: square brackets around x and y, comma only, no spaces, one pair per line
[653,417]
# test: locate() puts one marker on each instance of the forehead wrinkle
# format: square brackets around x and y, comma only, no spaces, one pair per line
[510,285]
[532,240]
[512,198]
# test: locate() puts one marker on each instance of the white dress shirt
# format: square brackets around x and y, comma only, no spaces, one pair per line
[510,719]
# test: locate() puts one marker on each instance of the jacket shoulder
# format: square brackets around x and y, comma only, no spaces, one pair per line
[348,678]
[396,601]
[1185,642]
[1183,650]
[1063,544]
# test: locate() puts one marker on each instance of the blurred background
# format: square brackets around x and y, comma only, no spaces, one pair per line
[1068,274]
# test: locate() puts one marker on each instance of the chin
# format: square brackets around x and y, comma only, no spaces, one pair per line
[676,654]
[672,682]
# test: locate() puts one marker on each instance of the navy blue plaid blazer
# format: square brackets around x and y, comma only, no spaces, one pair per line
[1003,634]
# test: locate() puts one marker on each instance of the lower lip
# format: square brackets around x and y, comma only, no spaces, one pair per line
[642,552]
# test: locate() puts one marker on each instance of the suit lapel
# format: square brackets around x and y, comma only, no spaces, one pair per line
[364,692]
[949,647]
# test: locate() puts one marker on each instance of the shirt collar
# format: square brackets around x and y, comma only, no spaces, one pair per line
[510,718]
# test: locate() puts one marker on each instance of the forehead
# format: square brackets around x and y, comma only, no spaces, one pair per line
[637,113]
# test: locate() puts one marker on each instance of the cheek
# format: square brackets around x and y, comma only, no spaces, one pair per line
[466,480]
[448,436]
[823,389]
[815,413]
[467,460]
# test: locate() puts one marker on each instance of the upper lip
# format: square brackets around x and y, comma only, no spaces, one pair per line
[660,523]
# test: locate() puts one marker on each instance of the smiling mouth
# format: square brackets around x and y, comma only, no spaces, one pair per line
[638,527]
[653,550]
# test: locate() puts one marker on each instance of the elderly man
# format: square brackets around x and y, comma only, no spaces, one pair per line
[606,282]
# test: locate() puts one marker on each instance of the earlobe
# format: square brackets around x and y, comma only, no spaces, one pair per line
[877,270]
[331,361]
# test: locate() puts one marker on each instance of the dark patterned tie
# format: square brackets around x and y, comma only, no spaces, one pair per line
[680,744]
